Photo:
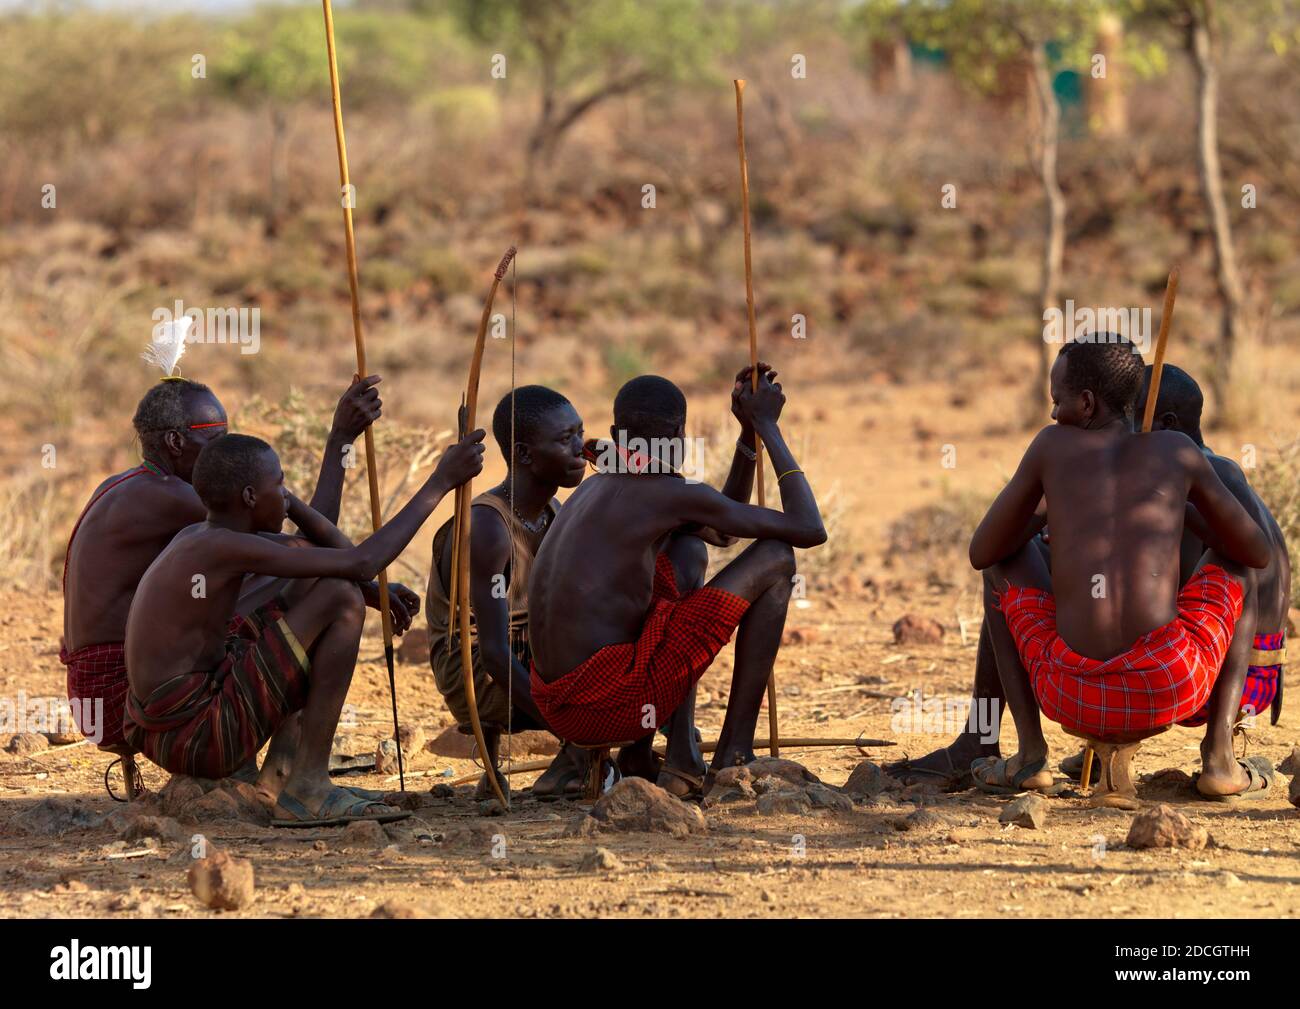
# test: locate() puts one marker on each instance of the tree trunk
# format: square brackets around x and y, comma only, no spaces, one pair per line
[1201,47]
[1049,130]
[1107,102]
[278,169]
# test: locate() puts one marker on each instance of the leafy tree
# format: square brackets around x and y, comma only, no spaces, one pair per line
[586,52]
[276,57]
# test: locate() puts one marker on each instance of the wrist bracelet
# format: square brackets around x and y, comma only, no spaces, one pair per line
[746,451]
[787,473]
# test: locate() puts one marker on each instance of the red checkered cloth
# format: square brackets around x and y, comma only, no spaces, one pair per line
[209,724]
[97,673]
[1261,683]
[1164,678]
[604,699]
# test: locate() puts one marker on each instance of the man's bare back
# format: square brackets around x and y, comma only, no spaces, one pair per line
[118,539]
[604,544]
[1115,503]
[602,547]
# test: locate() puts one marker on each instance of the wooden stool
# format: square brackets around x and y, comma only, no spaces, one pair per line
[1115,790]
[599,753]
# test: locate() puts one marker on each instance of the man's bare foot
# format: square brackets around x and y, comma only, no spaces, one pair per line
[1017,773]
[335,808]
[566,776]
[1251,778]
[682,783]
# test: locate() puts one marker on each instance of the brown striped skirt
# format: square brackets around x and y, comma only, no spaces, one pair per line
[209,724]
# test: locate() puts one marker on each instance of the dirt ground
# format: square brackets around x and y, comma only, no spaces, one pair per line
[840,678]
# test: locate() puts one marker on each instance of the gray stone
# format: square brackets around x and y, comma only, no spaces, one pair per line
[55,817]
[1028,810]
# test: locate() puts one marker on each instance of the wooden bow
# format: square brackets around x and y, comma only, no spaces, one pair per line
[459,594]
[372,473]
[774,734]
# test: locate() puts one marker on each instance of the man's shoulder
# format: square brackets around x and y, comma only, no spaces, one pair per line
[1226,470]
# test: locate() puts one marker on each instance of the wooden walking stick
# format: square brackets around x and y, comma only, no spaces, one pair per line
[460,534]
[774,734]
[372,473]
[1148,417]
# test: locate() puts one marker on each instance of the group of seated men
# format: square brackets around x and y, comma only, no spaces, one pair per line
[207,633]
[1132,582]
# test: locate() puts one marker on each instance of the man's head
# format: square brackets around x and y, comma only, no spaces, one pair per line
[241,473]
[174,420]
[547,435]
[1179,405]
[649,408]
[1094,380]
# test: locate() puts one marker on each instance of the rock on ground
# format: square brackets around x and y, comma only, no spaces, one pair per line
[1029,811]
[910,629]
[451,742]
[825,797]
[869,780]
[363,834]
[222,881]
[779,767]
[601,860]
[634,804]
[161,828]
[54,817]
[386,757]
[1165,827]
[785,798]
[412,737]
[582,825]
[23,743]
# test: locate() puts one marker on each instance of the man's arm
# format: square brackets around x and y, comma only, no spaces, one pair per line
[358,408]
[489,556]
[255,555]
[799,524]
[316,530]
[1229,528]
[1002,530]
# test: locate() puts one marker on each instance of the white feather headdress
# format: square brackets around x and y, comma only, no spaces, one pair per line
[168,344]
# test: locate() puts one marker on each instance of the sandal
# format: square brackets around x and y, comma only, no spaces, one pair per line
[694,785]
[1262,776]
[990,774]
[339,807]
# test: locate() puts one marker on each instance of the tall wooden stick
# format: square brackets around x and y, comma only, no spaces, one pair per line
[1148,417]
[372,473]
[774,734]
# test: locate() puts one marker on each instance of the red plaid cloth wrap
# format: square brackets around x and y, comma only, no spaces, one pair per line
[1164,678]
[603,699]
[209,724]
[98,672]
[1261,683]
